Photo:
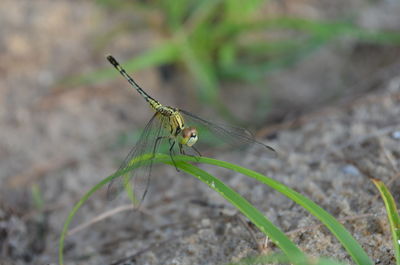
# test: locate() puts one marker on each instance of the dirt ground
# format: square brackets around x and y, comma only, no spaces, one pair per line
[58,142]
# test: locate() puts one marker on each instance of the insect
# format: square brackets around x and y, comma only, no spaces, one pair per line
[168,123]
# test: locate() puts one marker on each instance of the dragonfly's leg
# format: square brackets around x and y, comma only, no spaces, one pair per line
[183,152]
[171,153]
[171,147]
[158,140]
[197,151]
[181,149]
[157,143]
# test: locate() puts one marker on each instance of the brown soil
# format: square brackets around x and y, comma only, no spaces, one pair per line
[61,141]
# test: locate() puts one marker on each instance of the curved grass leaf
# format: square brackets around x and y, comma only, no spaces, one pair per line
[349,243]
[393,216]
[269,229]
[277,236]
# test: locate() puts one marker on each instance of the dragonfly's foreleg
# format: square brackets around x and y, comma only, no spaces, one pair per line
[171,145]
[181,149]
[157,143]
[183,152]
[171,152]
[197,151]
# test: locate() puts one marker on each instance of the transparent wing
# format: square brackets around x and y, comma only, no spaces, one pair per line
[230,134]
[139,177]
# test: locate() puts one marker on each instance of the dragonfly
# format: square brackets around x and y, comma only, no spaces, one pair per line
[168,124]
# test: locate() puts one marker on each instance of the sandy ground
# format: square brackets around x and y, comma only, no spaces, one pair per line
[62,141]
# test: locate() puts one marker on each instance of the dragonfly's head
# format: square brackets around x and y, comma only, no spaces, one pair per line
[189,136]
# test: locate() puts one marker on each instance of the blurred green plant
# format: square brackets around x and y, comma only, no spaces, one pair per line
[217,40]
[37,197]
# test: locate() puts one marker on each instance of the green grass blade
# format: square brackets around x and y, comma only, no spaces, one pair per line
[393,216]
[202,14]
[353,248]
[37,197]
[277,236]
[349,243]
[72,214]
[85,197]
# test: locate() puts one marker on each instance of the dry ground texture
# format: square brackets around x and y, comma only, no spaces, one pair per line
[58,142]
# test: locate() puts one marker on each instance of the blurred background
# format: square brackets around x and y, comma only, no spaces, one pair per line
[67,118]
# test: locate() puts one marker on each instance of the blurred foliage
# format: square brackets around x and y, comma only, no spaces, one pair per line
[37,197]
[217,40]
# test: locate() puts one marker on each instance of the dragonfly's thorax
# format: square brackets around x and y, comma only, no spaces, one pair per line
[174,123]
[172,120]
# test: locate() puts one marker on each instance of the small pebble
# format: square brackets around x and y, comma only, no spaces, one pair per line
[206,222]
[351,170]
[396,135]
